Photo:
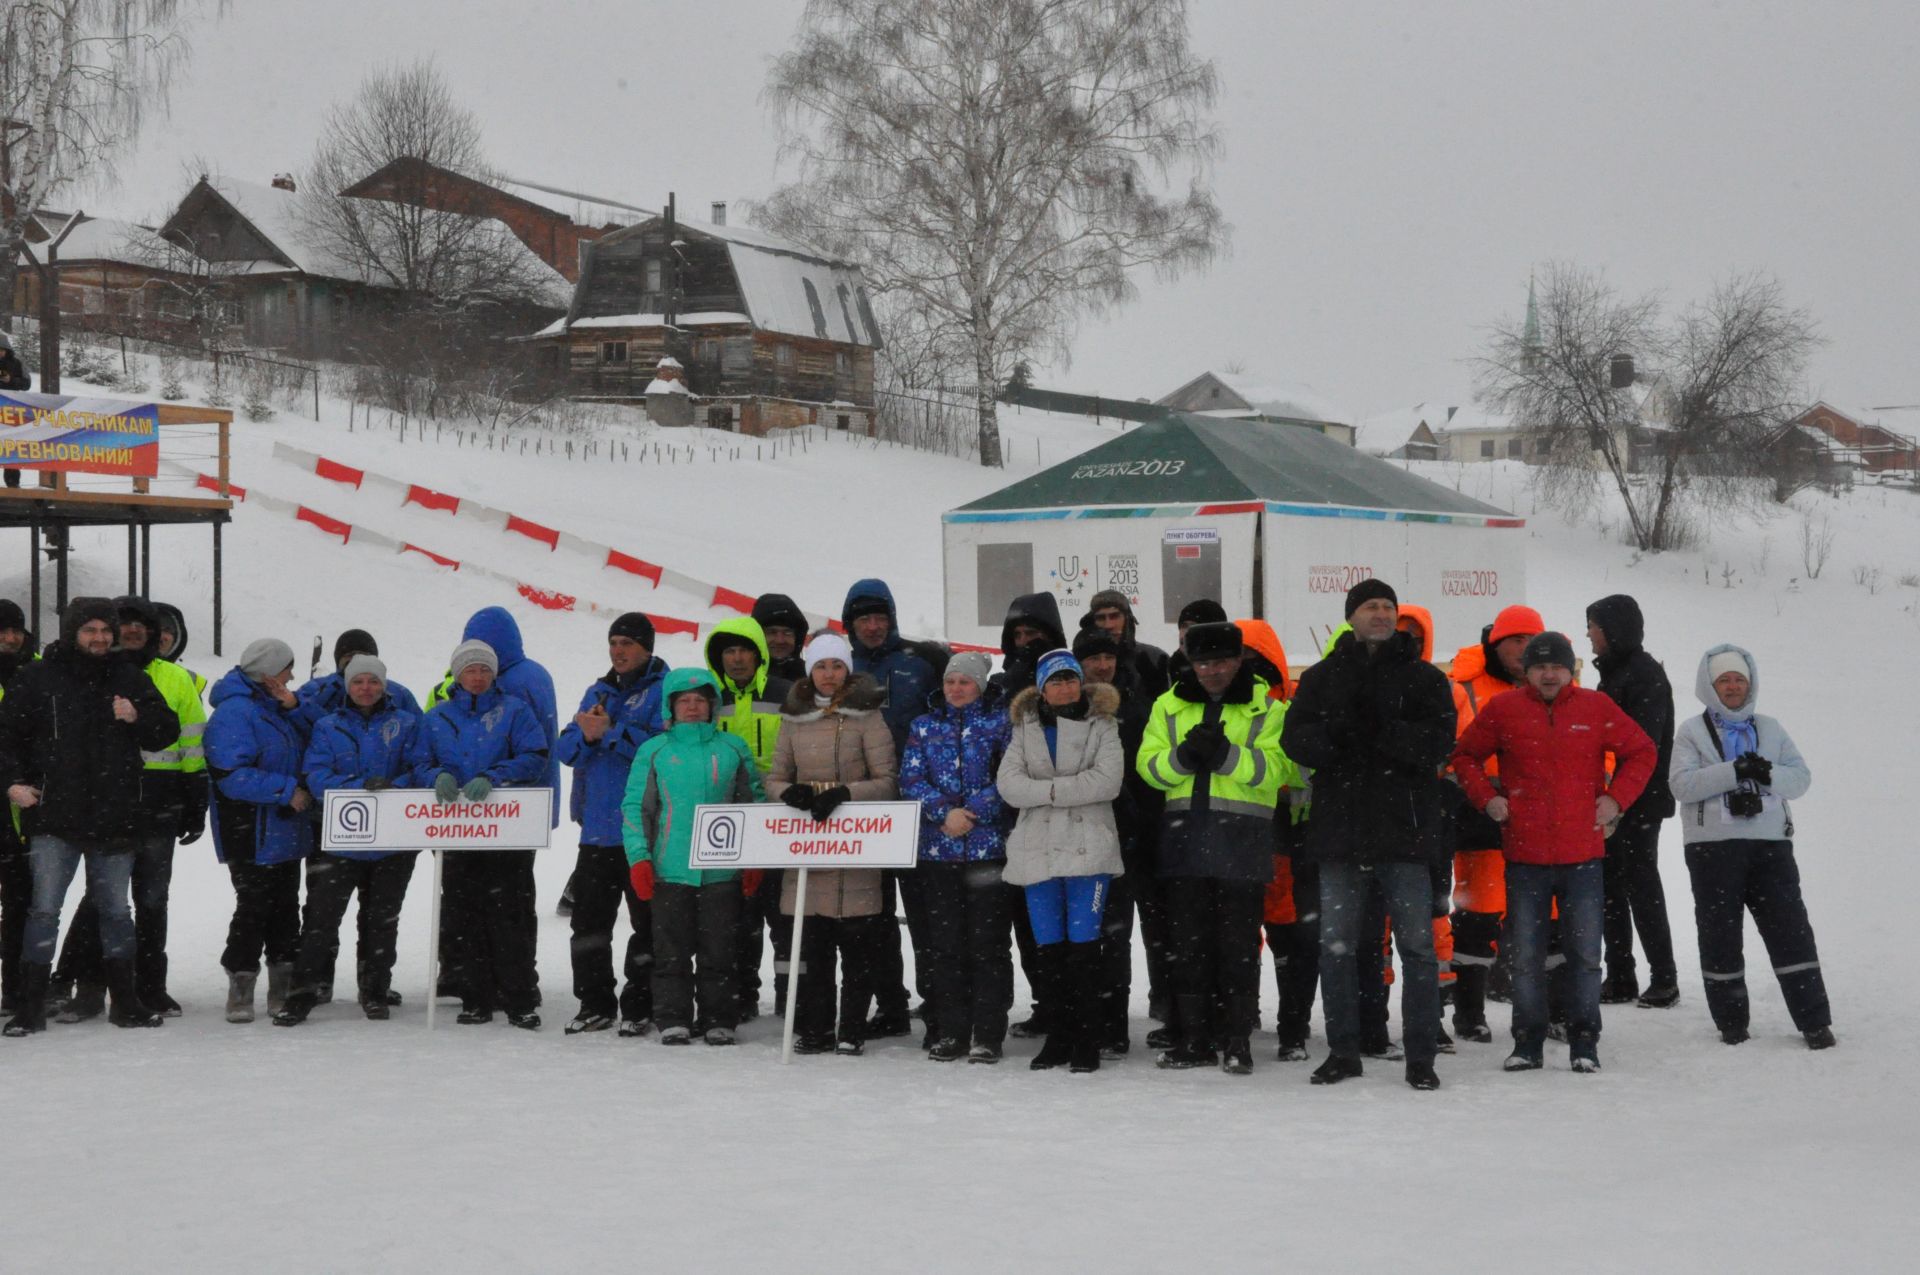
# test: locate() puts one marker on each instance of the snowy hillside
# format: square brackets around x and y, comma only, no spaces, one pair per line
[350,1145]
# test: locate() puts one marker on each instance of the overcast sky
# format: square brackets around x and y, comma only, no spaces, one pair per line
[1391,170]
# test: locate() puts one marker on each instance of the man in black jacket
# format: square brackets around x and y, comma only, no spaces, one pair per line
[1111,613]
[1374,723]
[785,628]
[1635,899]
[72,728]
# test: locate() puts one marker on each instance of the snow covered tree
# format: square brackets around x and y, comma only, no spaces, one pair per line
[1677,411]
[77,79]
[999,164]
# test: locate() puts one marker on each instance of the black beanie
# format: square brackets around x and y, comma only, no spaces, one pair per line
[1366,591]
[351,643]
[1548,648]
[84,610]
[1094,642]
[11,616]
[633,625]
[1203,611]
[1215,640]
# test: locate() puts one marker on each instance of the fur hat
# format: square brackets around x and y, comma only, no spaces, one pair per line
[1203,611]
[1221,641]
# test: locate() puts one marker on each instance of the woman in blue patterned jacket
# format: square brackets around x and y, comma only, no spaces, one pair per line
[951,758]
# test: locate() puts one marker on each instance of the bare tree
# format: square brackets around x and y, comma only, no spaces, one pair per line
[77,79]
[996,163]
[1716,383]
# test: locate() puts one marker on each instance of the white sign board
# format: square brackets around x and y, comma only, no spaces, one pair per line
[414,819]
[861,834]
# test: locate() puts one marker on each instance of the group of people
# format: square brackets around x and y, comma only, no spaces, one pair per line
[1497,824]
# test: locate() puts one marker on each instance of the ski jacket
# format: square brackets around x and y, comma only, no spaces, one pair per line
[493,734]
[1702,775]
[906,673]
[752,712]
[254,750]
[1553,768]
[633,710]
[1476,676]
[1217,823]
[348,747]
[1063,788]
[689,765]
[1374,732]
[328,694]
[521,678]
[176,796]
[58,734]
[952,760]
[845,743]
[1017,662]
[1635,681]
[777,609]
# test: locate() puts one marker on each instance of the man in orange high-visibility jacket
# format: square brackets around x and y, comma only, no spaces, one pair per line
[1480,672]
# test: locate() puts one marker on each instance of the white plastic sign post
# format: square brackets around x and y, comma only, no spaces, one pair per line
[861,834]
[414,819]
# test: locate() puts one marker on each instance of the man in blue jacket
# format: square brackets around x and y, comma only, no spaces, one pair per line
[618,713]
[909,675]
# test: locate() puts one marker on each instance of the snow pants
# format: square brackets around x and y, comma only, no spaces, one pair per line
[696,935]
[16,897]
[861,942]
[1636,900]
[600,882]
[488,916]
[1215,926]
[331,884]
[1293,939]
[1730,879]
[759,912]
[969,950]
[266,916]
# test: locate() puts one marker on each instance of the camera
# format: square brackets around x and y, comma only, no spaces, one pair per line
[1744,805]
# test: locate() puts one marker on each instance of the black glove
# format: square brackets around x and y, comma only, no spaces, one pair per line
[828,800]
[1208,744]
[799,796]
[376,784]
[1754,767]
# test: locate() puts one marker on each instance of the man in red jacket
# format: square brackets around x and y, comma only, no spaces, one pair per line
[1555,809]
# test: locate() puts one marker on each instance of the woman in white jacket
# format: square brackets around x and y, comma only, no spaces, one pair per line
[1063,767]
[1733,773]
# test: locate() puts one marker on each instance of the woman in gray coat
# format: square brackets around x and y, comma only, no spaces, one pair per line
[1734,771]
[1063,767]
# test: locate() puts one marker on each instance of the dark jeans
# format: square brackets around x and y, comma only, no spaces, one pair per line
[862,943]
[969,950]
[331,882]
[266,916]
[16,898]
[489,922]
[1216,947]
[1731,878]
[1407,889]
[1296,955]
[1635,900]
[600,881]
[55,860]
[1373,966]
[81,958]
[695,922]
[1531,892]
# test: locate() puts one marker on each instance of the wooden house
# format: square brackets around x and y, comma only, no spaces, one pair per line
[115,277]
[1865,433]
[1406,434]
[771,334]
[1236,396]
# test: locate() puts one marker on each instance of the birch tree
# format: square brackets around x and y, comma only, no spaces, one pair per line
[78,78]
[1005,166]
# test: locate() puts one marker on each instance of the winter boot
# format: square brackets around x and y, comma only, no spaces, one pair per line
[240,995]
[280,984]
[1196,1036]
[128,1010]
[1660,994]
[1243,1018]
[1733,1036]
[1527,1055]
[30,1014]
[1050,964]
[1084,1008]
[89,1000]
[153,986]
[1336,1068]
[1620,987]
[1164,1037]
[1584,1053]
[1500,979]
[1820,1038]
[1421,1075]
[59,992]
[1470,1003]
[295,1011]
[1445,1042]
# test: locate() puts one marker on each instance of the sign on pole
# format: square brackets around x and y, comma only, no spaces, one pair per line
[414,819]
[79,434]
[860,834]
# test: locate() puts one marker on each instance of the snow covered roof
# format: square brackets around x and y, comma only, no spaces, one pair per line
[691,319]
[1239,394]
[581,209]
[111,239]
[275,214]
[1471,418]
[1389,431]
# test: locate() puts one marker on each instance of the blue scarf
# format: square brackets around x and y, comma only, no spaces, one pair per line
[1738,735]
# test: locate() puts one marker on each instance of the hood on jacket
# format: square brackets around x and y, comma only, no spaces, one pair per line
[1263,642]
[778,610]
[235,684]
[739,626]
[1102,701]
[1703,685]
[148,614]
[682,680]
[495,626]
[861,694]
[1422,622]
[1474,661]
[1333,639]
[1042,611]
[12,617]
[871,587]
[171,613]
[1618,616]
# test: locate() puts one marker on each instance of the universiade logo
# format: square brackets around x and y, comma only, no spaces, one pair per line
[721,835]
[355,821]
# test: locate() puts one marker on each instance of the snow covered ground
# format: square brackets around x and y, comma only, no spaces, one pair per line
[349,1146]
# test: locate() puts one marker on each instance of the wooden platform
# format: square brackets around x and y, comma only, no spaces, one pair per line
[64,507]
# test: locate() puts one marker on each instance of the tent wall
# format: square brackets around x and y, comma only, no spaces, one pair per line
[1463,569]
[1161,558]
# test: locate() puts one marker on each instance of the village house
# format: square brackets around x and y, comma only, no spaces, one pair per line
[1236,396]
[1866,436]
[1405,434]
[115,277]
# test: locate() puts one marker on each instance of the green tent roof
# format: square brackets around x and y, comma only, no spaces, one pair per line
[1186,459]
